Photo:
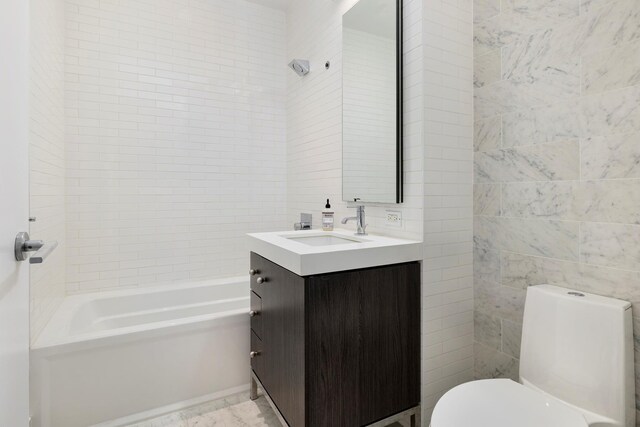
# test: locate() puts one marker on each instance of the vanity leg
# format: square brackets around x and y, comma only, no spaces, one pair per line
[415,419]
[253,394]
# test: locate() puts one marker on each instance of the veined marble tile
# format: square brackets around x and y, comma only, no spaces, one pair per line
[596,115]
[614,201]
[599,29]
[520,271]
[612,245]
[486,199]
[591,6]
[487,166]
[490,34]
[529,55]
[613,156]
[540,8]
[534,57]
[556,239]
[520,18]
[487,329]
[485,9]
[636,346]
[561,45]
[499,301]
[487,134]
[602,27]
[610,201]
[611,69]
[511,338]
[486,68]
[554,200]
[549,162]
[506,96]
[486,265]
[490,363]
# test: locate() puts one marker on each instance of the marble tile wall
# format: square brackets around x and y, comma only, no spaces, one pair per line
[556,163]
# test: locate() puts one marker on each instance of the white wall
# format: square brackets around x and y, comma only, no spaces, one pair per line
[47,156]
[314,120]
[175,138]
[448,168]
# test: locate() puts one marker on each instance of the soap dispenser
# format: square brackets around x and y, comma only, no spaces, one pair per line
[327,218]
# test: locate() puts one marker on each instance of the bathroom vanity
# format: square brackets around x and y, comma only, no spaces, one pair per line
[336,344]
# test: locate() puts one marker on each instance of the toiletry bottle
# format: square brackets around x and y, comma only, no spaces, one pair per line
[327,218]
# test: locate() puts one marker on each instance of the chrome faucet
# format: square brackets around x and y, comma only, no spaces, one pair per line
[359,218]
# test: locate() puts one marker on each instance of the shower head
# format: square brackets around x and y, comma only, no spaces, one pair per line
[300,66]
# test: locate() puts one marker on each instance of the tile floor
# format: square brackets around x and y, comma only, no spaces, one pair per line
[234,411]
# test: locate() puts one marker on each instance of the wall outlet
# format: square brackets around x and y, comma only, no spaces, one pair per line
[393,219]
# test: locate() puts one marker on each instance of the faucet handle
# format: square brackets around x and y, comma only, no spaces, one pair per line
[305,223]
[355,204]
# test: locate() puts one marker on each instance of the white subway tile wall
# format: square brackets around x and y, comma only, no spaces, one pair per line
[438,61]
[314,121]
[448,197]
[47,156]
[175,138]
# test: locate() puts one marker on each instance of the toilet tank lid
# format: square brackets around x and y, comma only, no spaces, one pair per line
[571,294]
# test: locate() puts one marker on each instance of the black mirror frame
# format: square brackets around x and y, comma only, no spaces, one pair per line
[399,105]
[399,172]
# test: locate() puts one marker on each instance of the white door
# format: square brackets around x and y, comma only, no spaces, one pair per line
[14,213]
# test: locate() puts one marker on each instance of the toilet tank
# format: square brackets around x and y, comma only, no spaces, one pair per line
[578,347]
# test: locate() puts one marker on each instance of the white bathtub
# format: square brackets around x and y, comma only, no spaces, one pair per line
[120,356]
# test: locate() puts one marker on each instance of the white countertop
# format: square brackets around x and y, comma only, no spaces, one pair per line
[304,260]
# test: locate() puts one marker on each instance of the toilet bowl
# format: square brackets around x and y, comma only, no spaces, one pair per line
[502,403]
[576,369]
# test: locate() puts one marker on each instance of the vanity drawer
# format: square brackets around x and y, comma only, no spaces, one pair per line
[257,356]
[256,314]
[261,272]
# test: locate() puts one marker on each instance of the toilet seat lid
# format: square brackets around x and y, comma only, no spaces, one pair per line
[502,403]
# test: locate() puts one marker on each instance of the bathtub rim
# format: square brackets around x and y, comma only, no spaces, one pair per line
[55,339]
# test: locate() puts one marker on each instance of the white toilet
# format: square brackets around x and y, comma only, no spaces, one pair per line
[576,369]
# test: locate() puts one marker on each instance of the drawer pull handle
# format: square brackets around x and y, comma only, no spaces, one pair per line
[261,280]
[253,272]
[254,354]
[253,313]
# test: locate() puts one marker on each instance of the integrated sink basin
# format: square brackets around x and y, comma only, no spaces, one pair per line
[309,252]
[322,240]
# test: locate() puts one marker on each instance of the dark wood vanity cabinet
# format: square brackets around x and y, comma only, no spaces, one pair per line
[337,349]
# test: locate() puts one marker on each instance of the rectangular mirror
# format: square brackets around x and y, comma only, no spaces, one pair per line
[372,102]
